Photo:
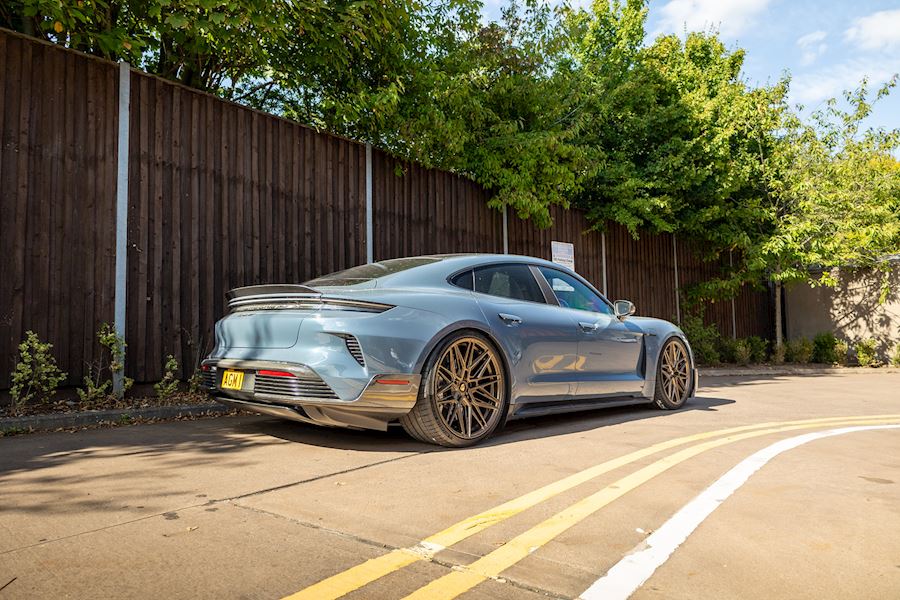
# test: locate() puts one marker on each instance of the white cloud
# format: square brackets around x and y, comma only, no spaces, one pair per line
[812,46]
[730,17]
[811,88]
[878,31]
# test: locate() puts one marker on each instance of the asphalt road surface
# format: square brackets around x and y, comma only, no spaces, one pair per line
[778,487]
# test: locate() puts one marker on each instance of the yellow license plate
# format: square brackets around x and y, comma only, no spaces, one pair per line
[232,380]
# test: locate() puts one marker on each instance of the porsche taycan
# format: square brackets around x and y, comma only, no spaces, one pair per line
[448,346]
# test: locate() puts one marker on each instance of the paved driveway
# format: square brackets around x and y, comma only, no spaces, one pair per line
[249,507]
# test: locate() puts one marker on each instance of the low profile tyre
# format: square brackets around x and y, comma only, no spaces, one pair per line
[673,375]
[463,397]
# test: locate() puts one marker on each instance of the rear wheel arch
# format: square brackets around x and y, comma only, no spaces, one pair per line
[454,329]
[423,423]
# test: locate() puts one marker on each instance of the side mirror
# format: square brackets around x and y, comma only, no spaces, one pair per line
[623,308]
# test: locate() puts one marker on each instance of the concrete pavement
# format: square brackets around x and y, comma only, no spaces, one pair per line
[250,507]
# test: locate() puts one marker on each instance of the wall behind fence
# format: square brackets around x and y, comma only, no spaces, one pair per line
[221,196]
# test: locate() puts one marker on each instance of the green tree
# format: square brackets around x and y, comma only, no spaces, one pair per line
[681,139]
[231,47]
[833,192]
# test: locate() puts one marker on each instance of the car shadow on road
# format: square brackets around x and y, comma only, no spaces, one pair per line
[515,431]
[38,470]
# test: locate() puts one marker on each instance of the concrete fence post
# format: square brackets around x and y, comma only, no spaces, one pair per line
[677,295]
[122,213]
[370,240]
[733,310]
[603,261]
[505,232]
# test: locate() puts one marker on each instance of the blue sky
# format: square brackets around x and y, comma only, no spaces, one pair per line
[826,45]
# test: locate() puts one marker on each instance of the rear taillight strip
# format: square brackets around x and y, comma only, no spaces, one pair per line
[269,373]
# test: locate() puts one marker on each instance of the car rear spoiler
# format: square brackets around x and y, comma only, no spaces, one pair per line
[294,297]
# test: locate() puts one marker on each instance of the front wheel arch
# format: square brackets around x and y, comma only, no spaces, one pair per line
[662,391]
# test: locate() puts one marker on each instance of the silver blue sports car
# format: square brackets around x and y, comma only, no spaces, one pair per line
[449,346]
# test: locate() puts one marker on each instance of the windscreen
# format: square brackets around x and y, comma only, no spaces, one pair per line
[365,273]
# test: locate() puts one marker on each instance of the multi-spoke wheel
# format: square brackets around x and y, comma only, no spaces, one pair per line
[673,375]
[463,396]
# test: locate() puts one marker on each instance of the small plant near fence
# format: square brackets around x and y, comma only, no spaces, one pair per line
[36,375]
[704,340]
[865,352]
[824,348]
[895,356]
[841,352]
[799,350]
[778,354]
[97,391]
[759,349]
[168,386]
[742,352]
[711,348]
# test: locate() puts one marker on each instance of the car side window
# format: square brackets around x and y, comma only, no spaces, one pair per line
[572,293]
[463,280]
[508,281]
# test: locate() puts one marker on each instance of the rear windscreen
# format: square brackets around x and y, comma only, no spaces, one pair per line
[364,273]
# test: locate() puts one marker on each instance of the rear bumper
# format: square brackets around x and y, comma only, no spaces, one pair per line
[385,398]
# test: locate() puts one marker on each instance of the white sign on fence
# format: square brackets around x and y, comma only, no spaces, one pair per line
[563,253]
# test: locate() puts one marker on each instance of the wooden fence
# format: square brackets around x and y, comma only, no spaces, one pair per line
[221,196]
[58,123]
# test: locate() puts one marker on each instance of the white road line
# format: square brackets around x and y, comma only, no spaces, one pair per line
[632,571]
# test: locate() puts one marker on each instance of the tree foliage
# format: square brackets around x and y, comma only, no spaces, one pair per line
[230,47]
[834,193]
[546,106]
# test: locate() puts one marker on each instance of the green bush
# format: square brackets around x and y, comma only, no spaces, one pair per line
[758,349]
[895,357]
[865,352]
[166,388]
[704,340]
[97,390]
[841,350]
[742,352]
[798,351]
[195,382]
[36,375]
[778,354]
[824,348]
[727,349]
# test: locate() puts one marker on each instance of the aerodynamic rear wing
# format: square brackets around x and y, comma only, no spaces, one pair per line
[294,297]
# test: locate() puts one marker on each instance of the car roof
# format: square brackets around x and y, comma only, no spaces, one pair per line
[434,270]
[448,264]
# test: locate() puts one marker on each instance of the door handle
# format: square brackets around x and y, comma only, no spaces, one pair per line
[588,327]
[510,319]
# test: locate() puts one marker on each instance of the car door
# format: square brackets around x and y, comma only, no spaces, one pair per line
[609,349]
[541,340]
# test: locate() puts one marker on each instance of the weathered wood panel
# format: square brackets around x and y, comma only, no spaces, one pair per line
[569,226]
[642,270]
[693,269]
[58,124]
[222,196]
[426,211]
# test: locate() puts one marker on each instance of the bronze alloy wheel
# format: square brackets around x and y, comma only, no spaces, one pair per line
[463,399]
[674,376]
[468,388]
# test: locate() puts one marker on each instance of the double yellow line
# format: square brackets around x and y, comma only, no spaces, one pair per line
[494,563]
